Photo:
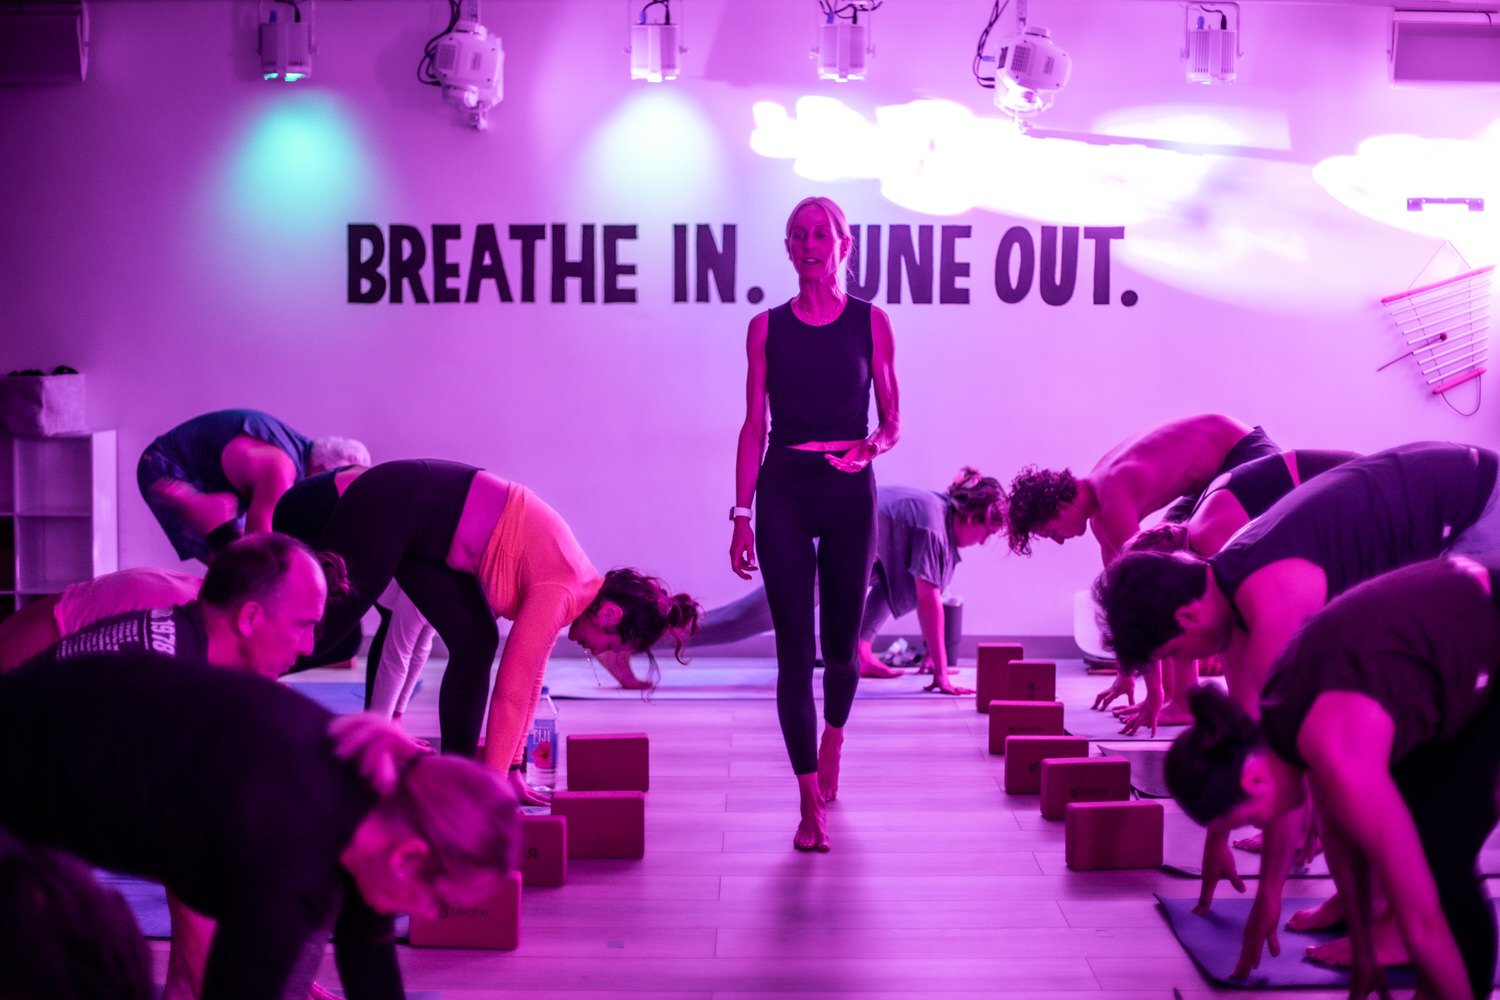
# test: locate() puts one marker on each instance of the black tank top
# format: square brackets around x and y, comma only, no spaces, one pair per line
[1423,641]
[1367,516]
[818,377]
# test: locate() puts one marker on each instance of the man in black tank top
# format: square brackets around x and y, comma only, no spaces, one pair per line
[1385,698]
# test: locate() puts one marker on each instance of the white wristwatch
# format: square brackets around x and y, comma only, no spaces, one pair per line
[735,512]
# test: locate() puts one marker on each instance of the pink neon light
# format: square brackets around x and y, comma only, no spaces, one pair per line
[1460,380]
[1437,284]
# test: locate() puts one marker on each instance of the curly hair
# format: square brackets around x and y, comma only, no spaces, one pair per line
[1167,536]
[1036,496]
[1204,765]
[1138,596]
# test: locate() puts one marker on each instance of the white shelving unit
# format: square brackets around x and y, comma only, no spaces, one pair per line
[58,514]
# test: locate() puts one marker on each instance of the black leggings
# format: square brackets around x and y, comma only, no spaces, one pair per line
[397,521]
[815,527]
[1450,789]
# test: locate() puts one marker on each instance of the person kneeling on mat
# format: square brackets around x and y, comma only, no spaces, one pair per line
[1382,705]
[252,804]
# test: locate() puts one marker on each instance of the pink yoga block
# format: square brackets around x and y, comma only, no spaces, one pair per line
[1085,779]
[1108,835]
[1024,756]
[609,762]
[993,656]
[603,824]
[1023,718]
[544,850]
[1030,680]
[495,923]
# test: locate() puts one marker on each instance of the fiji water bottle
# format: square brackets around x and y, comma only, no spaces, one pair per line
[541,746]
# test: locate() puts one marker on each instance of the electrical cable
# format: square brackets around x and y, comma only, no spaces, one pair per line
[425,72]
[832,9]
[296,10]
[987,82]
[666,6]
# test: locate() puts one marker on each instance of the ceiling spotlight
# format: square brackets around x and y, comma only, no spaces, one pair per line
[467,62]
[1029,71]
[286,40]
[655,45]
[1211,42]
[843,42]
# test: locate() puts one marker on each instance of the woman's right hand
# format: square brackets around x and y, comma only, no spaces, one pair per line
[742,549]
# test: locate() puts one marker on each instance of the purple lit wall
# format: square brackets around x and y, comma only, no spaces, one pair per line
[178,229]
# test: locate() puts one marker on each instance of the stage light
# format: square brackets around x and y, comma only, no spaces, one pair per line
[286,39]
[1030,68]
[843,44]
[655,46]
[467,62]
[1211,41]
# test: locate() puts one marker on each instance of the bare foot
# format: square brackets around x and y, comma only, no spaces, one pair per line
[1175,713]
[812,832]
[1329,913]
[1250,843]
[828,762]
[1389,948]
[874,668]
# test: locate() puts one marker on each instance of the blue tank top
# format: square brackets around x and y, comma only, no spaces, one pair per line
[818,377]
[1367,516]
[197,445]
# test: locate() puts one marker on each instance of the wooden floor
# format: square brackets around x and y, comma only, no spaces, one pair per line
[938,884]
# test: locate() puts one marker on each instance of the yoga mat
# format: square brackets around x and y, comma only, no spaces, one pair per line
[1182,852]
[148,901]
[710,679]
[340,697]
[1147,758]
[1079,719]
[1213,942]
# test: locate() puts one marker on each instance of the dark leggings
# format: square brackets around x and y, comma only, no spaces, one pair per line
[397,521]
[815,527]
[1450,789]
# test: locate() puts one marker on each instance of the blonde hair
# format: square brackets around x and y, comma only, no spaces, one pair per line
[464,811]
[840,229]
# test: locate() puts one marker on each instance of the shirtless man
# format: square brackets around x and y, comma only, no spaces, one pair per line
[1173,462]
[218,476]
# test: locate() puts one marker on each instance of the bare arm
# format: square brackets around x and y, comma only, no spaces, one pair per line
[887,398]
[1114,524]
[752,445]
[1351,874]
[930,618]
[1274,602]
[261,471]
[1346,741]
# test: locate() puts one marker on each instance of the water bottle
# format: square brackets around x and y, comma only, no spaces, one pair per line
[542,746]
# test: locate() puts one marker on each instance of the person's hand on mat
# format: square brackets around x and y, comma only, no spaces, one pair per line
[854,459]
[742,549]
[1123,685]
[618,665]
[1218,864]
[377,748]
[1367,979]
[1260,933]
[525,794]
[1132,718]
[944,685]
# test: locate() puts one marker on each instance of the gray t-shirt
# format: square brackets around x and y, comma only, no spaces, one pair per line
[914,541]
